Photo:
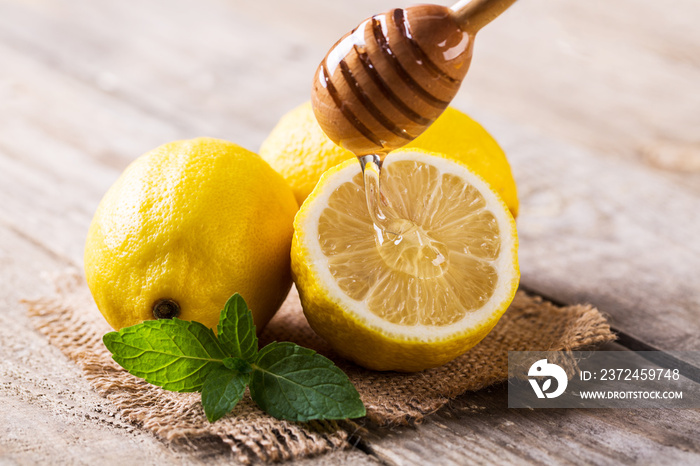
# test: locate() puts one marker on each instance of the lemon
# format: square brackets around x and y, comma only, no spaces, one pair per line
[186,226]
[301,152]
[411,302]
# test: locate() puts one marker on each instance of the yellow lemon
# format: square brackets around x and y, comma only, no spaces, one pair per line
[186,226]
[301,152]
[414,301]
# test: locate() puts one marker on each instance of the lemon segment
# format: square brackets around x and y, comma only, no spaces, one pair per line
[415,300]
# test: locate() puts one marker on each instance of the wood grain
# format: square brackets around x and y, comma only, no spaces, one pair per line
[596,107]
[620,79]
[479,429]
[593,229]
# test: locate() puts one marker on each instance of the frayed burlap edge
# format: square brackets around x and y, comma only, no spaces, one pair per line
[72,324]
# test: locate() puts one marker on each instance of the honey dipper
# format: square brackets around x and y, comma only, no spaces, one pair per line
[385,82]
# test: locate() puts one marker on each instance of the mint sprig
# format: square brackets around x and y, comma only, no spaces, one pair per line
[286,380]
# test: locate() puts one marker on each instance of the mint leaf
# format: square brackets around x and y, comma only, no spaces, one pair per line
[222,391]
[238,364]
[174,354]
[237,330]
[297,384]
[286,380]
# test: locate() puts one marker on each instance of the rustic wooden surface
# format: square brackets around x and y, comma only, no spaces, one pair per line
[596,103]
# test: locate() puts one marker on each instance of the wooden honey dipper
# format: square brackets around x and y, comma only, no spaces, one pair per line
[385,82]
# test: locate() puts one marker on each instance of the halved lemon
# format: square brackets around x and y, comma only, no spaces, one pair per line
[416,300]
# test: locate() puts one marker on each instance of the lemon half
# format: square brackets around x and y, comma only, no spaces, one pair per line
[413,301]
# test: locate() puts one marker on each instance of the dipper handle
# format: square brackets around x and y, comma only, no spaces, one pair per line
[472,15]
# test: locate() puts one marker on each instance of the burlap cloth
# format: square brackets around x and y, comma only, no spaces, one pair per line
[72,323]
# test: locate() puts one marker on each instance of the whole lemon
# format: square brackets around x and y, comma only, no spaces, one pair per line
[186,226]
[301,152]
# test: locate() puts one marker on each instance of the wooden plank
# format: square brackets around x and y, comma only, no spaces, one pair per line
[205,82]
[619,78]
[586,72]
[479,429]
[609,232]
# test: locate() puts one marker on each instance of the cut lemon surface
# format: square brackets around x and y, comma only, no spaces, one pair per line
[416,300]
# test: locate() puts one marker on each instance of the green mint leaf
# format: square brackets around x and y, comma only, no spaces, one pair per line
[222,391]
[238,364]
[174,354]
[237,330]
[297,384]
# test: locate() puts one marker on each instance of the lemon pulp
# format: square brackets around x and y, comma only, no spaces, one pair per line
[438,270]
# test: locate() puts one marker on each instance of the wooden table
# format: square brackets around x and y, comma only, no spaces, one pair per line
[596,102]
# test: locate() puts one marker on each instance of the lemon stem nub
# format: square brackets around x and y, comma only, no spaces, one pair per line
[166,309]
